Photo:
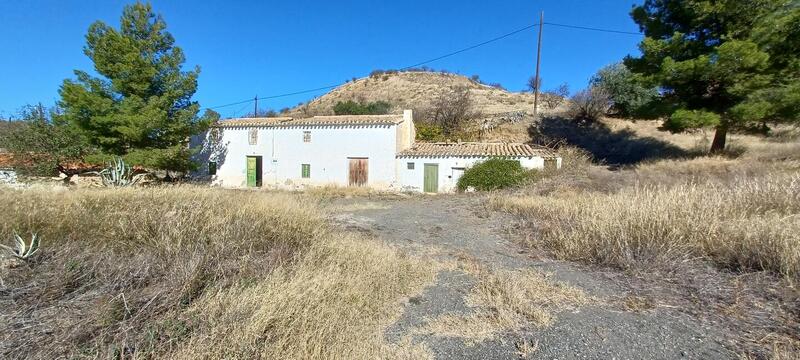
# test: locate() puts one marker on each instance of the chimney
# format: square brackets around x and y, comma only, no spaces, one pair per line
[408,115]
[408,121]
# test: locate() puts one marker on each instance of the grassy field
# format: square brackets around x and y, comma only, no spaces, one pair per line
[196,272]
[674,212]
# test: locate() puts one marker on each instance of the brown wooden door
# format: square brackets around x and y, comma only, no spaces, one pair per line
[359,168]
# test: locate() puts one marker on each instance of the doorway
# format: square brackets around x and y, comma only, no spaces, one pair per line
[254,171]
[359,171]
[431,180]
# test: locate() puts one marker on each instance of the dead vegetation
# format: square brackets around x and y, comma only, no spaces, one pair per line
[504,301]
[749,225]
[716,237]
[195,272]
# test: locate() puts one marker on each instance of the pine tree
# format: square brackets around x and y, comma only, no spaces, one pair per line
[728,64]
[141,107]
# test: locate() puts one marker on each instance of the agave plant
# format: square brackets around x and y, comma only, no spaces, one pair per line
[23,250]
[118,174]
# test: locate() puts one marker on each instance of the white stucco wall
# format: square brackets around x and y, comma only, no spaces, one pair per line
[450,170]
[8,176]
[283,151]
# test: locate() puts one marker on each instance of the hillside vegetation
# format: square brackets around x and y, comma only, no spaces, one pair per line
[507,113]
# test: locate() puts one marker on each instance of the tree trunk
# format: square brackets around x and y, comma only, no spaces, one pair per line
[718,145]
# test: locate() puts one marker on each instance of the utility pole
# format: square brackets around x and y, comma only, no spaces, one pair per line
[255,108]
[538,80]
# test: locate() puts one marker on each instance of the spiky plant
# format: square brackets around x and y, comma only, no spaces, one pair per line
[118,174]
[23,250]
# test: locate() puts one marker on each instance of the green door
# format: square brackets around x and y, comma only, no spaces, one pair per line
[251,171]
[431,184]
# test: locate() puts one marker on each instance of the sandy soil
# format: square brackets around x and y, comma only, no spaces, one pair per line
[452,227]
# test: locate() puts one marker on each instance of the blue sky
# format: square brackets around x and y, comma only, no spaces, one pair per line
[248,48]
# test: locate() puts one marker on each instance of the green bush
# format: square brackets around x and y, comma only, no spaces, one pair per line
[354,108]
[429,132]
[493,174]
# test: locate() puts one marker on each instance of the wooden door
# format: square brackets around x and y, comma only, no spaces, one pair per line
[431,180]
[251,171]
[359,170]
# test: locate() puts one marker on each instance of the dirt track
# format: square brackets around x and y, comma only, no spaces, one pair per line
[453,227]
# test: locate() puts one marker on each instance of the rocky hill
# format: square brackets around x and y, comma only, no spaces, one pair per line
[503,115]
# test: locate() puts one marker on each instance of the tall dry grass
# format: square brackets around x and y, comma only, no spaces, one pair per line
[750,224]
[191,272]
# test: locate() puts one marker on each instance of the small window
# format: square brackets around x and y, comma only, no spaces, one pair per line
[305,171]
[253,136]
[307,136]
[212,168]
[410,166]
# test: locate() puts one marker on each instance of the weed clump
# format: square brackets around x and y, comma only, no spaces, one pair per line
[493,174]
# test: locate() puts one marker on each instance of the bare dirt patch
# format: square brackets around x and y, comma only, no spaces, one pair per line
[529,305]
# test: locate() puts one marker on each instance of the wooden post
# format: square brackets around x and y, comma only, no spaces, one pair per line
[538,80]
[255,108]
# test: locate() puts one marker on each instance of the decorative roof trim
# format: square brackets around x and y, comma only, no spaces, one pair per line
[334,120]
[470,149]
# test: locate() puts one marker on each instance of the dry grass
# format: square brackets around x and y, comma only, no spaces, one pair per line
[333,303]
[192,272]
[713,236]
[751,224]
[506,300]
[335,191]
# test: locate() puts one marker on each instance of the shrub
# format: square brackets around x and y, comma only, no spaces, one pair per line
[554,97]
[353,108]
[429,132]
[493,174]
[682,119]
[628,92]
[589,105]
[450,109]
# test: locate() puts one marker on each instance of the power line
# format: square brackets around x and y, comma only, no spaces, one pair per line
[231,104]
[470,47]
[401,69]
[498,38]
[594,29]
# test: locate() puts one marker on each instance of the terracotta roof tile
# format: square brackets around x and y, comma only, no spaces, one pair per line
[348,120]
[476,149]
[316,120]
[248,122]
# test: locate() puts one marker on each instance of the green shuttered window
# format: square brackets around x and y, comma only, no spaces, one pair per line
[305,171]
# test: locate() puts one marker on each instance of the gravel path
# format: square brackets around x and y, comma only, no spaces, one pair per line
[454,226]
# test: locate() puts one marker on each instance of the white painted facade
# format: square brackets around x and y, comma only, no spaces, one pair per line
[450,169]
[326,146]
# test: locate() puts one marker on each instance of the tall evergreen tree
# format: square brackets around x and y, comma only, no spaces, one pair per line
[141,107]
[726,64]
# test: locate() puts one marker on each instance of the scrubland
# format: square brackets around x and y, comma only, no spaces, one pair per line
[676,213]
[191,272]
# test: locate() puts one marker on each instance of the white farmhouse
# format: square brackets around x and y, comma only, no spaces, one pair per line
[352,150]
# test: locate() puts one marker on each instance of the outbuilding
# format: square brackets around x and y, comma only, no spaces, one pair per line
[436,167]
